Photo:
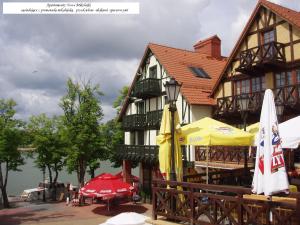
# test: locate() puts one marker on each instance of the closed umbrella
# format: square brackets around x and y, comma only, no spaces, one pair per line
[269,175]
[164,142]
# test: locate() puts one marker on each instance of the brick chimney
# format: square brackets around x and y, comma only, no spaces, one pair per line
[210,46]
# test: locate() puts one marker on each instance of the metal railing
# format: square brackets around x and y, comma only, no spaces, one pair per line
[148,87]
[154,119]
[134,122]
[145,153]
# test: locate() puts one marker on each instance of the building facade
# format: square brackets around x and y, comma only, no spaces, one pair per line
[141,114]
[266,56]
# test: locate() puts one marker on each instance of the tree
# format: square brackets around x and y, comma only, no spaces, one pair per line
[50,145]
[118,103]
[113,135]
[10,139]
[82,116]
[113,132]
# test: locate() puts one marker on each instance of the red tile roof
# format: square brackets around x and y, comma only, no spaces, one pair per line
[177,62]
[291,16]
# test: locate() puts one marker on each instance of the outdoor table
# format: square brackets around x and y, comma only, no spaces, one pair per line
[256,207]
[274,198]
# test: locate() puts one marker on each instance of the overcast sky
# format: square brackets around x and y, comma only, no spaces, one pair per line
[39,52]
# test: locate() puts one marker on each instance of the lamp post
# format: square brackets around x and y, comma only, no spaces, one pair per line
[172,90]
[243,102]
[279,111]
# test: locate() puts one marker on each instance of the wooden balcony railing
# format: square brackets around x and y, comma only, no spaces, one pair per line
[138,153]
[217,204]
[134,122]
[154,119]
[222,154]
[262,57]
[149,87]
[288,96]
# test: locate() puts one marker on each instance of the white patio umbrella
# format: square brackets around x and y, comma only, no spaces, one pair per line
[127,218]
[269,175]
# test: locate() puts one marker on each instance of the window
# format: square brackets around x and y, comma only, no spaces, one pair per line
[140,107]
[258,84]
[255,84]
[268,36]
[140,138]
[132,138]
[282,79]
[153,72]
[199,72]
[298,76]
[242,87]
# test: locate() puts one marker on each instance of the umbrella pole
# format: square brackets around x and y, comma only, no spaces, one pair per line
[207,164]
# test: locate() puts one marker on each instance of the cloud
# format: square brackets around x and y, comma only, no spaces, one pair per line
[39,53]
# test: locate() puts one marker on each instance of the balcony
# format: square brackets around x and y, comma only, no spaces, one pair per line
[138,153]
[288,96]
[147,88]
[134,122]
[154,119]
[262,58]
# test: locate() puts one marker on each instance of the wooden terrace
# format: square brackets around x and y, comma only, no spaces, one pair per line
[215,204]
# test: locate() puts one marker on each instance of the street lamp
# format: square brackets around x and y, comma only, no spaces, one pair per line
[243,102]
[172,89]
[279,110]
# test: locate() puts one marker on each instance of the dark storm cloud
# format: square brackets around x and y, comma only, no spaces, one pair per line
[39,53]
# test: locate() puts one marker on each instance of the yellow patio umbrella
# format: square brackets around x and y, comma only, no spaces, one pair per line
[210,132]
[253,128]
[164,142]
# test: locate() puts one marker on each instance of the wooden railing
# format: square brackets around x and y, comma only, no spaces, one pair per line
[154,119]
[221,154]
[271,53]
[149,87]
[288,96]
[134,122]
[144,153]
[217,204]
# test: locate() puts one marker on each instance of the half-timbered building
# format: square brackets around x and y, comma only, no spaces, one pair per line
[141,113]
[266,56]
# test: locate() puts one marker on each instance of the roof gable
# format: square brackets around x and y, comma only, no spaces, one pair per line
[176,62]
[289,15]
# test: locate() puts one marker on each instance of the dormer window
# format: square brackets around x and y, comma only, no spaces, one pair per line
[199,72]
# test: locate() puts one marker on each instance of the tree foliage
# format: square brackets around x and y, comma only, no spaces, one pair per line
[10,139]
[118,103]
[82,116]
[49,144]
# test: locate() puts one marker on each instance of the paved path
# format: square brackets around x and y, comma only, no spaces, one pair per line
[60,214]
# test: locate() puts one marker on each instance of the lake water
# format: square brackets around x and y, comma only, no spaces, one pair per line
[30,176]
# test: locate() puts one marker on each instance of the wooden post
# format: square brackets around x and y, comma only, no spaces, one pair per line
[207,148]
[154,201]
[192,203]
[298,208]
[127,171]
